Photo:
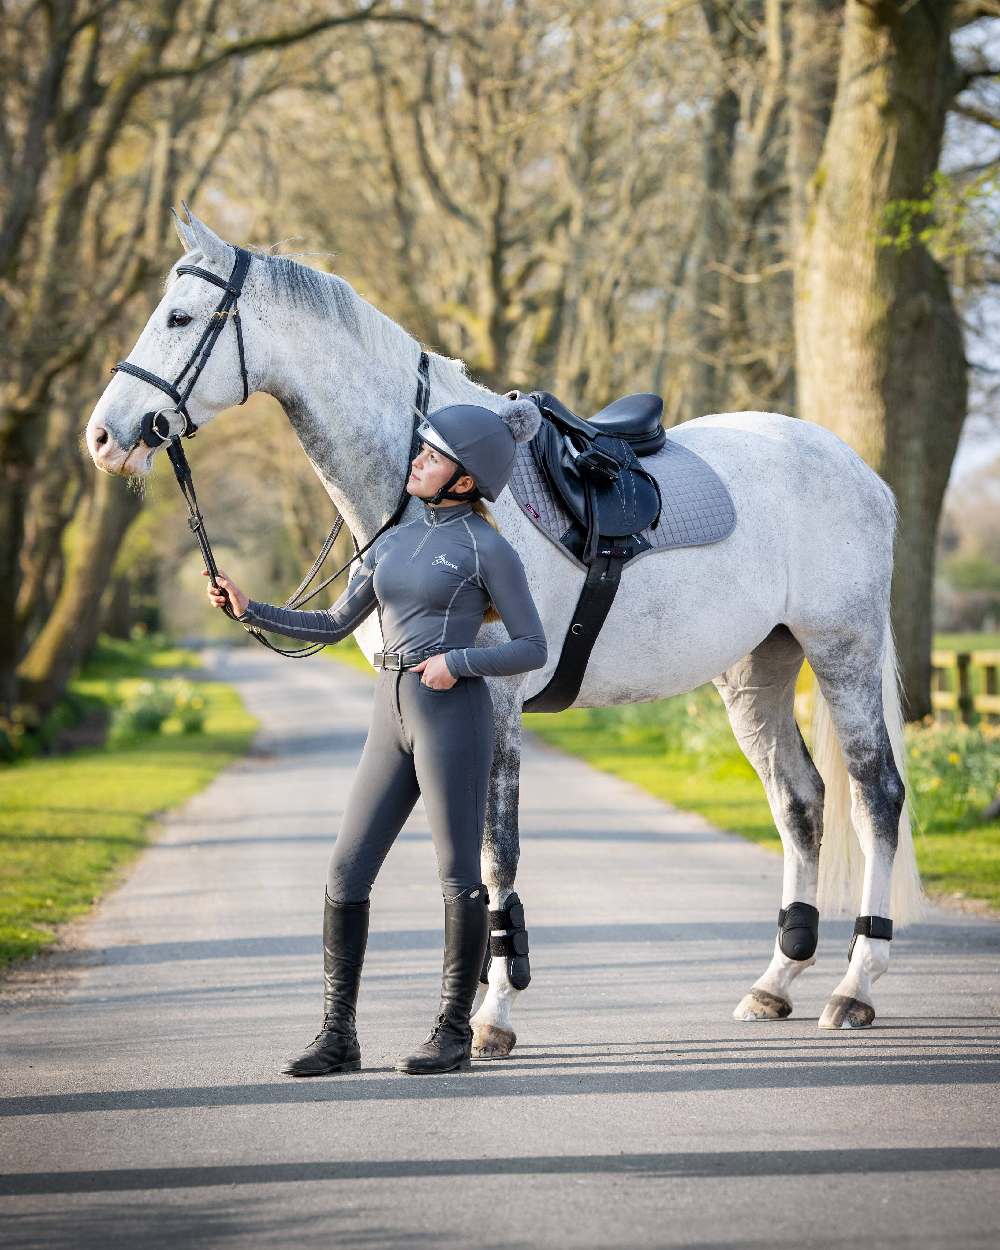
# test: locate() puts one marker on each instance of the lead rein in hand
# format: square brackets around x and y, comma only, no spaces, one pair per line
[182,471]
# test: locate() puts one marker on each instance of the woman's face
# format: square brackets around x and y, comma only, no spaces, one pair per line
[430,469]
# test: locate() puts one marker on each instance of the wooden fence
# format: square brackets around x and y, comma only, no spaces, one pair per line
[965,682]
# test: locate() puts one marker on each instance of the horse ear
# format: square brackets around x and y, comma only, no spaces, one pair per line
[183,232]
[214,249]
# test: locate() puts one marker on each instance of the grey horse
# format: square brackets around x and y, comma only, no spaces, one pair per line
[805,574]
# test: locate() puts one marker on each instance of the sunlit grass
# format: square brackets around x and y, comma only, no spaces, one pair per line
[70,824]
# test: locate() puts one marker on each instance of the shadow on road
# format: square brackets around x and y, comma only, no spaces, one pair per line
[729,1163]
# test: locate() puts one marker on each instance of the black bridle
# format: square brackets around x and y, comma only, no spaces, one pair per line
[150,434]
[227,307]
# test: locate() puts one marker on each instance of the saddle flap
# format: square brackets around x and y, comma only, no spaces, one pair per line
[624,505]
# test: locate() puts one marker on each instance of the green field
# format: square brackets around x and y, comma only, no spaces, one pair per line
[348,652]
[967,642]
[70,824]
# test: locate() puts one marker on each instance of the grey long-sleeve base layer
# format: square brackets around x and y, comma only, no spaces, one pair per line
[432,579]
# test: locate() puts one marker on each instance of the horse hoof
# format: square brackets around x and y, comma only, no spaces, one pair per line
[760,1005]
[846,1013]
[489,1041]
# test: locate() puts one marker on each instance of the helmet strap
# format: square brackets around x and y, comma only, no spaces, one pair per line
[443,492]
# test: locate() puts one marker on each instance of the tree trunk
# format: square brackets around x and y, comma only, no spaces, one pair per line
[816,27]
[20,439]
[117,618]
[71,629]
[55,496]
[879,348]
[709,386]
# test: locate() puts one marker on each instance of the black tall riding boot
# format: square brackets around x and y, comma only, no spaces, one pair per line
[335,1047]
[466,931]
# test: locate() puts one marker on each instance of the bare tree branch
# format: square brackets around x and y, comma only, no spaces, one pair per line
[976,114]
[372,12]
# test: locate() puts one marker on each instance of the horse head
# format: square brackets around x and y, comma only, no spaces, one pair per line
[170,351]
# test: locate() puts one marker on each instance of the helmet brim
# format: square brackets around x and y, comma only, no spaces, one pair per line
[429,434]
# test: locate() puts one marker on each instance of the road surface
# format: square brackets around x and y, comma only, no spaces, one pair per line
[143,1104]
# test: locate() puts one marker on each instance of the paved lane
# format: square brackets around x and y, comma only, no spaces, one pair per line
[143,1104]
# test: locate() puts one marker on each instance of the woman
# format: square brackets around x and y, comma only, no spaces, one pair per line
[432,580]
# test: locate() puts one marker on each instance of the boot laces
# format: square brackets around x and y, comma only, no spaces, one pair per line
[333,1023]
[442,1021]
[439,1021]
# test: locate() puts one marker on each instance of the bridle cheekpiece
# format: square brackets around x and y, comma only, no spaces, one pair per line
[150,431]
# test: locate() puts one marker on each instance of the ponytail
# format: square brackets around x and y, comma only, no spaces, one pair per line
[480,509]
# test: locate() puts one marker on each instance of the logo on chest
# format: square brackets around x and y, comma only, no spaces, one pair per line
[443,559]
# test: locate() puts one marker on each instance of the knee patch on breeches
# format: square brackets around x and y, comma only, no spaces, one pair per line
[798,930]
[509,940]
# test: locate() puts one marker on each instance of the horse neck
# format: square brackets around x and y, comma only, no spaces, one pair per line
[354,418]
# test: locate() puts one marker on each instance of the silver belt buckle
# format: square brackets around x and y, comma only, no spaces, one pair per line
[394,658]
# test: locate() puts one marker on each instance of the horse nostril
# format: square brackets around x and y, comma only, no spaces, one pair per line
[100,436]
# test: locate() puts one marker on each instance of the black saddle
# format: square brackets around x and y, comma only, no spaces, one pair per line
[634,418]
[592,467]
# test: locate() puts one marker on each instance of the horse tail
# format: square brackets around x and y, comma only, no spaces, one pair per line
[841,862]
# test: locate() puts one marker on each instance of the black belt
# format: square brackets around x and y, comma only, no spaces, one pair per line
[400,659]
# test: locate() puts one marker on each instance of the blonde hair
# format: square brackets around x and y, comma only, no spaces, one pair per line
[480,508]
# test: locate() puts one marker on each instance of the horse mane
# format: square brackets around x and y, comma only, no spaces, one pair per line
[331,297]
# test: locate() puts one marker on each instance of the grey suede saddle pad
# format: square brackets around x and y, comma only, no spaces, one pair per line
[697,507]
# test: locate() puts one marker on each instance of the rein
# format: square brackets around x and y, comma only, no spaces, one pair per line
[150,433]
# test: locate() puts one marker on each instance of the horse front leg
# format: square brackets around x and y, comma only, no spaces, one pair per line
[506,971]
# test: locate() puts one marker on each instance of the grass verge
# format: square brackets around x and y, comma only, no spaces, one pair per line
[70,824]
[682,750]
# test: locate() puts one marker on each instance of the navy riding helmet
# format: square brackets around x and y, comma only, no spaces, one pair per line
[481,442]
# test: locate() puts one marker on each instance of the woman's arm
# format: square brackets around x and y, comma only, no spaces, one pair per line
[324,624]
[502,574]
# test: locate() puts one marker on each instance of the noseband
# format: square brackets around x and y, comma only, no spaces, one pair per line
[227,308]
[150,435]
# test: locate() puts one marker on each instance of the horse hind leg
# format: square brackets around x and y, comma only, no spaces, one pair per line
[759,694]
[851,673]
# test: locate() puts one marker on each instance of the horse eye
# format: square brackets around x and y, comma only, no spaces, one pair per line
[178,318]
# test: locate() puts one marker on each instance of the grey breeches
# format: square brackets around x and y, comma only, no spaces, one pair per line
[437,744]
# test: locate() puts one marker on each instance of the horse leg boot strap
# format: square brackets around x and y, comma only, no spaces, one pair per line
[448,1046]
[879,927]
[509,940]
[335,1048]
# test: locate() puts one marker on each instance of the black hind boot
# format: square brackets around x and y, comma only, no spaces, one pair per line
[335,1047]
[448,1047]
